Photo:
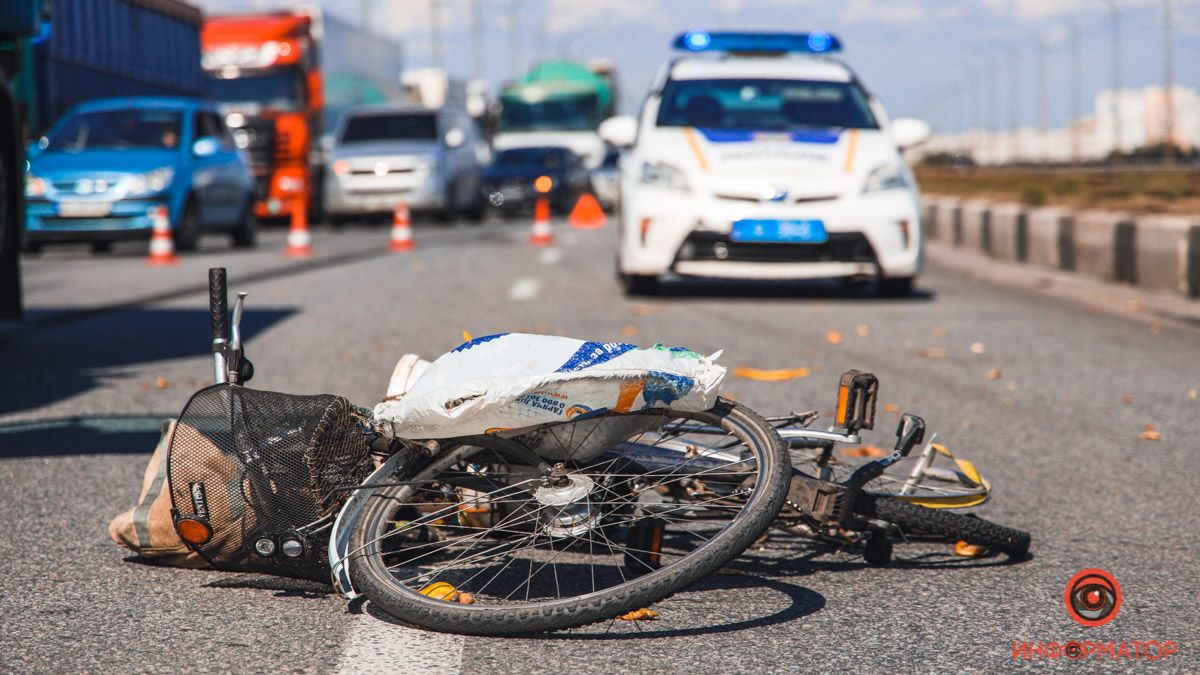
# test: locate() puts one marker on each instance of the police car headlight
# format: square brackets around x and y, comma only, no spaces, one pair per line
[663,175]
[887,177]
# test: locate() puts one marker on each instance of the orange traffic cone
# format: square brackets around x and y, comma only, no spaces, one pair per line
[587,214]
[541,234]
[402,238]
[162,246]
[299,241]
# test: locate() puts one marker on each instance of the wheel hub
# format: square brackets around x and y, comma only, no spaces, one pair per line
[566,509]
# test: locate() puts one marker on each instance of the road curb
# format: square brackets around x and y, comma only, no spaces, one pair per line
[1154,252]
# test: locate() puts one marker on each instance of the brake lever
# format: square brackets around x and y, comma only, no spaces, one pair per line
[909,433]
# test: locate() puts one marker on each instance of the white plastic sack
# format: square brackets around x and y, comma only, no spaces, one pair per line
[513,381]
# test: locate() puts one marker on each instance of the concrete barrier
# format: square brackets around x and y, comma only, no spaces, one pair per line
[1157,252]
[976,215]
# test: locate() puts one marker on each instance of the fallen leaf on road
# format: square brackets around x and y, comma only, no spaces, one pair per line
[938,331]
[995,374]
[1149,434]
[1155,328]
[466,336]
[1135,306]
[642,310]
[833,337]
[862,330]
[932,353]
[642,614]
[1011,386]
[629,331]
[891,407]
[978,348]
[1093,311]
[770,375]
[965,550]
[466,599]
[1193,394]
[160,382]
[1127,398]
[865,451]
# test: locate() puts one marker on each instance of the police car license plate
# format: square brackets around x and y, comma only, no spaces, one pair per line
[783,231]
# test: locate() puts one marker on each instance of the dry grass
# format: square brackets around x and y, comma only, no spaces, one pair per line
[1138,191]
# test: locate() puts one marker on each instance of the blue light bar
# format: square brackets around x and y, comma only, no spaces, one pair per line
[816,42]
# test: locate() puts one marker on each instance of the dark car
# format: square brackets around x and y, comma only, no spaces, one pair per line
[512,181]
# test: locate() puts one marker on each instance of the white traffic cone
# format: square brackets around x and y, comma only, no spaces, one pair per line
[162,246]
[402,237]
[541,233]
[299,241]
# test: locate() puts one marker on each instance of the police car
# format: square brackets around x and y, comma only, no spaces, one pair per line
[759,156]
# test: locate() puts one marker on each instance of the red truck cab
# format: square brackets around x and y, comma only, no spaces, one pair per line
[264,71]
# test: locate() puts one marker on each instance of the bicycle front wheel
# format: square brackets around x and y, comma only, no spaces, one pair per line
[914,518]
[479,541]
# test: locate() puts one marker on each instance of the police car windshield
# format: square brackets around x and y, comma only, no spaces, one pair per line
[764,105]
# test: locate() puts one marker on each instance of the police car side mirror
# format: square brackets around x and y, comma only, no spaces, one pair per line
[619,131]
[909,131]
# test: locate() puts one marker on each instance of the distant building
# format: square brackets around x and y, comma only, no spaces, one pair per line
[1137,119]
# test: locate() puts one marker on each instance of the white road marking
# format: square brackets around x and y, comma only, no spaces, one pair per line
[378,646]
[550,256]
[525,288]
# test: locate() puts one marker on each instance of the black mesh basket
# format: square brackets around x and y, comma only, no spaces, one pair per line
[262,471]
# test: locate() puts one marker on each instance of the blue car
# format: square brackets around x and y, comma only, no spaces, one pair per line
[102,171]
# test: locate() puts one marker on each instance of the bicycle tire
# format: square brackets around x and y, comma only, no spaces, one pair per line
[371,575]
[944,523]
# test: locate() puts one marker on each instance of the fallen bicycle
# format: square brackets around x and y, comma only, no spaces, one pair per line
[487,496]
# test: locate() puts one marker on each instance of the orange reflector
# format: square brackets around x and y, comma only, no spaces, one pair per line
[843,401]
[193,531]
[543,184]
[441,591]
[341,167]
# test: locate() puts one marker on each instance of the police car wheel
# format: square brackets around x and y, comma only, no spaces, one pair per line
[900,287]
[640,284]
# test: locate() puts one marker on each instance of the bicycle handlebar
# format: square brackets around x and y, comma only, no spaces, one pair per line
[218,303]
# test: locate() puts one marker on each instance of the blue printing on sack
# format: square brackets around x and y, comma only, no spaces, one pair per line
[594,353]
[665,388]
[477,341]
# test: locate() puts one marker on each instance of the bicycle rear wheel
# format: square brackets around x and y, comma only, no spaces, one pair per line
[479,541]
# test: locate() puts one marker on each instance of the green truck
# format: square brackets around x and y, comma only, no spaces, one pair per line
[558,104]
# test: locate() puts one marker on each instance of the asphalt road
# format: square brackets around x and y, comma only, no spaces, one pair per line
[111,346]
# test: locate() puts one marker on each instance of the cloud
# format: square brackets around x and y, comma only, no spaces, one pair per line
[566,16]
[883,11]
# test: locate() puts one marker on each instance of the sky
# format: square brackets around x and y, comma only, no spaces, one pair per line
[945,61]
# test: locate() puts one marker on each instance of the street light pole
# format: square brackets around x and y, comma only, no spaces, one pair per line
[1118,144]
[476,19]
[514,40]
[1168,86]
[1076,93]
[1014,111]
[1041,99]
[435,35]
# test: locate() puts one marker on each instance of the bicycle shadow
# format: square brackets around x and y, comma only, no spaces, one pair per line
[787,555]
[801,602]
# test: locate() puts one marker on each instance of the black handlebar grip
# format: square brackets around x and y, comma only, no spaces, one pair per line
[218,303]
